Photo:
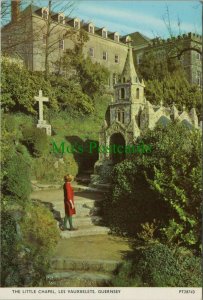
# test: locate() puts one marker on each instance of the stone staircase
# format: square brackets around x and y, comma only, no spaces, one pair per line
[86,257]
[81,272]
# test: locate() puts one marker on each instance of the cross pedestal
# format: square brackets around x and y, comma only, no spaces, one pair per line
[41,122]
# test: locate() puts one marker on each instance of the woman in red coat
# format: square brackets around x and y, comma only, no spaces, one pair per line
[68,201]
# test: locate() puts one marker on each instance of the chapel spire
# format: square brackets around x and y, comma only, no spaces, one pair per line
[129,74]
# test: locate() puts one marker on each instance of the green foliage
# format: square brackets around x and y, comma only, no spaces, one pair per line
[157,265]
[40,233]
[74,94]
[24,256]
[9,249]
[19,88]
[39,230]
[70,96]
[148,232]
[125,276]
[164,186]
[166,81]
[16,181]
[48,168]
[92,77]
[36,140]
[174,88]
[156,66]
[28,240]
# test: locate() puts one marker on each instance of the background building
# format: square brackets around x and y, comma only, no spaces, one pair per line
[191,59]
[26,35]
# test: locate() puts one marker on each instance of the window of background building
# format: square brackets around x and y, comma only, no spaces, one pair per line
[104,34]
[116,59]
[61,19]
[91,52]
[116,37]
[199,78]
[114,78]
[198,56]
[77,24]
[139,59]
[61,44]
[44,39]
[9,39]
[45,14]
[91,29]
[104,55]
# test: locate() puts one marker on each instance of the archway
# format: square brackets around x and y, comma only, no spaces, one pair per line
[118,140]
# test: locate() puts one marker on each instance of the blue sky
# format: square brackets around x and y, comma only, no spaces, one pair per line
[127,16]
[144,16]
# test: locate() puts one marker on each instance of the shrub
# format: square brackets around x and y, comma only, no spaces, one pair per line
[40,236]
[157,265]
[9,249]
[19,87]
[28,242]
[165,186]
[16,181]
[51,169]
[125,276]
[36,140]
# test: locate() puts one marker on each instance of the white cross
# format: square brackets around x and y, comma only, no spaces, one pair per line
[41,99]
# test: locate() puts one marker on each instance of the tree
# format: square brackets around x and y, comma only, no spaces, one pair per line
[162,189]
[92,77]
[166,82]
[18,96]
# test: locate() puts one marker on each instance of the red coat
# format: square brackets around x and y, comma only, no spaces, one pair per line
[68,195]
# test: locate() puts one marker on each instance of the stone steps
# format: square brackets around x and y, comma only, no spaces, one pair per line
[78,279]
[77,187]
[71,264]
[85,231]
[86,257]
[85,221]
[79,272]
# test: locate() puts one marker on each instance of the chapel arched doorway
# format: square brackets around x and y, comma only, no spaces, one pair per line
[118,140]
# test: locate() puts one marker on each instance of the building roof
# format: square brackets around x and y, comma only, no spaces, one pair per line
[129,72]
[139,39]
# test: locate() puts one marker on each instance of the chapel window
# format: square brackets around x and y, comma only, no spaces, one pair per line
[137,93]
[120,116]
[122,93]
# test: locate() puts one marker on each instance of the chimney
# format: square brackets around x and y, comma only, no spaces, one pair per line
[15,10]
